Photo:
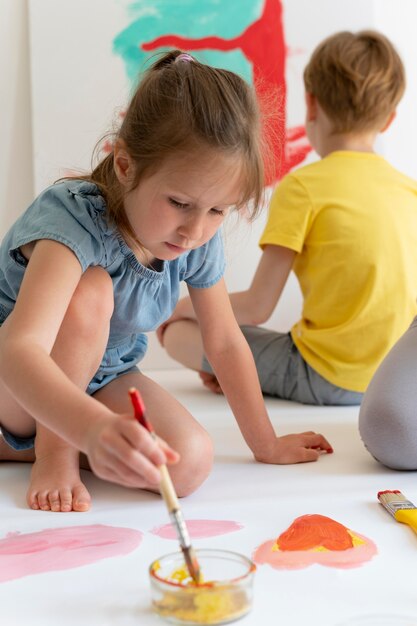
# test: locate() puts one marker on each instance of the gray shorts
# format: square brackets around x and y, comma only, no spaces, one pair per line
[283,373]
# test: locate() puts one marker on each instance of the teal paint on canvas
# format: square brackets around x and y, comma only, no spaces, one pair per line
[150,19]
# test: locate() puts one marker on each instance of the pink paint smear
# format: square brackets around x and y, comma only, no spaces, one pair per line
[55,549]
[199,528]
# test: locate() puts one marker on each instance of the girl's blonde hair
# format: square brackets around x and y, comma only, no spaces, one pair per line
[182,105]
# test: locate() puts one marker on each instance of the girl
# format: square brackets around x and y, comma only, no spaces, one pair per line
[96,262]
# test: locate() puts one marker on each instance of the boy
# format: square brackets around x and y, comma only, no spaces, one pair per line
[346,225]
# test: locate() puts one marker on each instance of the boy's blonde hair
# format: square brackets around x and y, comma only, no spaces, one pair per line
[357,78]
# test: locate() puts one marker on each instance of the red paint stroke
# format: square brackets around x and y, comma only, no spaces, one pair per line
[199,528]
[56,549]
[316,539]
[263,45]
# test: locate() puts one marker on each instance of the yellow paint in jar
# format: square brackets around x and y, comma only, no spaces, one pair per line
[181,601]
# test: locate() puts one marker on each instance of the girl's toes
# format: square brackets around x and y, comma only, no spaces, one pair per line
[32,500]
[44,501]
[54,501]
[80,499]
[66,500]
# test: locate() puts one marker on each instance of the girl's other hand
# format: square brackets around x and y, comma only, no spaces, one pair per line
[300,448]
[121,451]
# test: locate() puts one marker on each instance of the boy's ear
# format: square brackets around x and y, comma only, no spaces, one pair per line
[389,121]
[122,163]
[311,104]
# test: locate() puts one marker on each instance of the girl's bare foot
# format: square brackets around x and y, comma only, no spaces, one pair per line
[73,496]
[55,483]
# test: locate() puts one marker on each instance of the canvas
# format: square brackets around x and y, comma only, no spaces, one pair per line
[92,568]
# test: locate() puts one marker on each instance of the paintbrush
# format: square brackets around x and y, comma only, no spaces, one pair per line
[168,493]
[399,507]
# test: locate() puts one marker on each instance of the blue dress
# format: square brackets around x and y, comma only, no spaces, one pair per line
[74,213]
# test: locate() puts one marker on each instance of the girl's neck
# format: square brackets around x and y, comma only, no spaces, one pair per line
[144,257]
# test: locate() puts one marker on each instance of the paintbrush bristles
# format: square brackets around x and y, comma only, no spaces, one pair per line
[391,494]
[394,501]
[192,564]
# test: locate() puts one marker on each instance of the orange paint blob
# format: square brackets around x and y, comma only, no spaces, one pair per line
[315,539]
[313,531]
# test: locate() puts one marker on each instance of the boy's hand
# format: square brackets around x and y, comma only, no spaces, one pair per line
[300,448]
[120,450]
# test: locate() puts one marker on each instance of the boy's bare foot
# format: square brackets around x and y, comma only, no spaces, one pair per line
[211,382]
[55,483]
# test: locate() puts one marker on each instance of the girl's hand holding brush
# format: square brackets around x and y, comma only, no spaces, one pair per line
[122,451]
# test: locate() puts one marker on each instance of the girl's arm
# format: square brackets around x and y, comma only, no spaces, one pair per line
[48,395]
[232,361]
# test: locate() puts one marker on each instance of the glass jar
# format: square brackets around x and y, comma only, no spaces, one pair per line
[223,596]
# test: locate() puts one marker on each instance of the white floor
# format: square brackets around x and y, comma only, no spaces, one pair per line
[264,499]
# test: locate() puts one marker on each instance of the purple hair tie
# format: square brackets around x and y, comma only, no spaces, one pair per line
[184,57]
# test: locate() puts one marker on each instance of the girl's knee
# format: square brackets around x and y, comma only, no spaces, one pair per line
[92,304]
[195,463]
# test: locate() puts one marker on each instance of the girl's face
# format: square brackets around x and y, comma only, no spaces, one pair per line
[181,205]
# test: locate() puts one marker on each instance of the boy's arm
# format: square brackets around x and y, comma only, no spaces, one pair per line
[232,361]
[256,305]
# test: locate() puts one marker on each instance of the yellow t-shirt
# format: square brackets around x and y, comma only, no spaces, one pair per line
[352,219]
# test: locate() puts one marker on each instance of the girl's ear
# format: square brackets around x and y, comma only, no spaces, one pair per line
[122,163]
[311,104]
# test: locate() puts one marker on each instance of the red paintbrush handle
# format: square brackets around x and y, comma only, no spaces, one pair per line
[139,409]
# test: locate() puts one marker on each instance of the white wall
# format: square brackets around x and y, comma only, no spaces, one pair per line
[398,21]
[16,165]
[73,84]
